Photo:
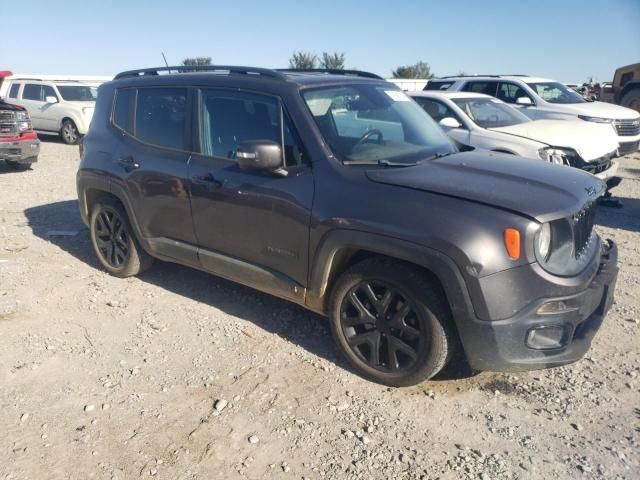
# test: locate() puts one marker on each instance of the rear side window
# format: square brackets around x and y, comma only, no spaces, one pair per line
[161,117]
[435,85]
[510,92]
[13,92]
[488,88]
[123,109]
[32,92]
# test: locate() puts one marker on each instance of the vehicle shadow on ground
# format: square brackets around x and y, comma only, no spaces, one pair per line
[4,168]
[625,218]
[285,319]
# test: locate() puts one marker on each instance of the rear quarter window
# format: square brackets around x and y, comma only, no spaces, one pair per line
[434,85]
[123,109]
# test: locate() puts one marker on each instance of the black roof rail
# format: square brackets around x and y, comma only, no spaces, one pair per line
[331,71]
[489,76]
[202,68]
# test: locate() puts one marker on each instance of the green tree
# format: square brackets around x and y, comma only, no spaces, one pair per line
[332,61]
[196,61]
[418,70]
[303,60]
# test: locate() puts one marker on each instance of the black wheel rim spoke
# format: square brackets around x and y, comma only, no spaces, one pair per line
[111,238]
[382,327]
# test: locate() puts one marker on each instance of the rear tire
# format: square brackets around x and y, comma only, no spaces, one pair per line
[69,132]
[631,99]
[391,322]
[114,241]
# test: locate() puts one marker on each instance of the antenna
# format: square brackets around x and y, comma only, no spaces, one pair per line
[165,61]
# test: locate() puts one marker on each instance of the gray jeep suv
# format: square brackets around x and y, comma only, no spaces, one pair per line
[336,191]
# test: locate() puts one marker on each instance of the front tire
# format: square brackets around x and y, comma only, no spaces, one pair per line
[391,322]
[114,242]
[69,132]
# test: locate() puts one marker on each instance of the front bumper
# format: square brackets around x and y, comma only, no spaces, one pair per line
[503,345]
[609,172]
[21,151]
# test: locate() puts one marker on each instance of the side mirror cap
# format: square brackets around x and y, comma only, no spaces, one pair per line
[450,122]
[51,99]
[260,155]
[524,101]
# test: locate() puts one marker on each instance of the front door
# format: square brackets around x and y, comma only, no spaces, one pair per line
[251,226]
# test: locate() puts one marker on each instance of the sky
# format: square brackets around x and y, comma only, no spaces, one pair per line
[567,40]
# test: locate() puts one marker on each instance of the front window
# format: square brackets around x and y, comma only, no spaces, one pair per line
[78,93]
[490,113]
[374,123]
[556,92]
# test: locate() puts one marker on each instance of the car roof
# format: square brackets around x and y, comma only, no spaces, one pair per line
[522,78]
[448,94]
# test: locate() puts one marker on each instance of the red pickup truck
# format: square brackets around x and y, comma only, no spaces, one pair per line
[19,144]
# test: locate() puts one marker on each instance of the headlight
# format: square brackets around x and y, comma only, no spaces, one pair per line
[595,119]
[543,242]
[24,126]
[22,116]
[558,156]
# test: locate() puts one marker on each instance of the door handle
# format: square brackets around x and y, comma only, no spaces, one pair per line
[129,163]
[209,180]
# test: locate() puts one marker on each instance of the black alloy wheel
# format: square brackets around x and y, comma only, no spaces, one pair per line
[382,327]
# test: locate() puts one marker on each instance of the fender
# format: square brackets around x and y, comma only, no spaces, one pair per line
[328,253]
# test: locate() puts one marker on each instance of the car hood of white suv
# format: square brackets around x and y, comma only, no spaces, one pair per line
[599,109]
[590,140]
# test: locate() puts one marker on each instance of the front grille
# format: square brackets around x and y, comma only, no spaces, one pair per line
[596,165]
[627,128]
[7,129]
[6,116]
[628,147]
[582,223]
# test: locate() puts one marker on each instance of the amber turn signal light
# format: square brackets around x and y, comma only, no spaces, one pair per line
[512,242]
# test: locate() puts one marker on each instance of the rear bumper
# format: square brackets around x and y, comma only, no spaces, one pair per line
[21,151]
[509,345]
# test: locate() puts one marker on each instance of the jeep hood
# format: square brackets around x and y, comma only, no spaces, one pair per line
[591,140]
[599,109]
[532,188]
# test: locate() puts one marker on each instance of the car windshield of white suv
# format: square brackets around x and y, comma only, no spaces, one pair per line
[78,93]
[556,92]
[489,112]
[374,124]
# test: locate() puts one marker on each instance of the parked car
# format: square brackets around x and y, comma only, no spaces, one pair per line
[19,144]
[475,120]
[62,108]
[625,88]
[339,193]
[542,98]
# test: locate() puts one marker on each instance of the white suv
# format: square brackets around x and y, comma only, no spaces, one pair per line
[61,108]
[541,98]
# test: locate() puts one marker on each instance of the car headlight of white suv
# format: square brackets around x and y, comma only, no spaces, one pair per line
[559,156]
[586,118]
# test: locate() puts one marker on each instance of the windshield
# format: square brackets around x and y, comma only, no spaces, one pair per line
[490,113]
[78,93]
[373,123]
[556,92]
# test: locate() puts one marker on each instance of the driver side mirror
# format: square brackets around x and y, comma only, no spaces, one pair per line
[450,122]
[524,101]
[260,155]
[51,99]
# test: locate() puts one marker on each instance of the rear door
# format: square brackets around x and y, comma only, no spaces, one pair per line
[252,226]
[150,165]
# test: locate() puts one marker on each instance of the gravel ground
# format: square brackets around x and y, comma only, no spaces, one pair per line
[181,375]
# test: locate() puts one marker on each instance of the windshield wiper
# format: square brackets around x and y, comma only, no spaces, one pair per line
[436,156]
[383,162]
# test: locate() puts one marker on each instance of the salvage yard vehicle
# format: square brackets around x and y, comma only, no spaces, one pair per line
[19,144]
[339,193]
[475,120]
[541,98]
[625,88]
[56,107]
